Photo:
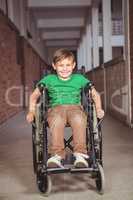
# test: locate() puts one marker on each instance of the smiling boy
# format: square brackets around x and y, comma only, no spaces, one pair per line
[64,90]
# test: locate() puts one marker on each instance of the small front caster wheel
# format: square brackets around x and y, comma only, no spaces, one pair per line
[44,184]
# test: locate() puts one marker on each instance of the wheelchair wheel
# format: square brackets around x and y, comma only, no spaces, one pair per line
[34,155]
[36,150]
[44,184]
[100,180]
[98,150]
[37,132]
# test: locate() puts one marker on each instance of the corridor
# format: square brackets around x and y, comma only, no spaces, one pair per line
[99,34]
[17,180]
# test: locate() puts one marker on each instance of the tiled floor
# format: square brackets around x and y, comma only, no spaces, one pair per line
[17,180]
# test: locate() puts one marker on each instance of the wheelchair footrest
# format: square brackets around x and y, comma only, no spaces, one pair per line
[81,170]
[58,170]
[70,170]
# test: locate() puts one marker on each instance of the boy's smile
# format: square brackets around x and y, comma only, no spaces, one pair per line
[64,68]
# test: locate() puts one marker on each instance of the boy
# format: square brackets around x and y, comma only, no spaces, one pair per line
[64,92]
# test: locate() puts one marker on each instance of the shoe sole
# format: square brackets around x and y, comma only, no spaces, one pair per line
[80,165]
[53,165]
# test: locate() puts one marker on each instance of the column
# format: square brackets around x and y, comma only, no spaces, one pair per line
[95,36]
[22,18]
[88,47]
[107,30]
[84,50]
[10,10]
[80,54]
[127,57]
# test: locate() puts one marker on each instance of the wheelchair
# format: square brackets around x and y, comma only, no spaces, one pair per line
[93,142]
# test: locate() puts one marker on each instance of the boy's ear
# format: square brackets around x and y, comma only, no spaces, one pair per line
[74,64]
[53,66]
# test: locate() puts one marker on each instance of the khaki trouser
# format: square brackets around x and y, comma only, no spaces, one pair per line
[58,117]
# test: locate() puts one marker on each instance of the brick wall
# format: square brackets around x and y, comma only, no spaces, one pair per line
[116,90]
[33,68]
[97,77]
[20,65]
[111,82]
[10,71]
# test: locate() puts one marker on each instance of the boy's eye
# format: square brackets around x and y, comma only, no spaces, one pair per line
[65,65]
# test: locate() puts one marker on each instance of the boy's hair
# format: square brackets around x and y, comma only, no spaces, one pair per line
[61,54]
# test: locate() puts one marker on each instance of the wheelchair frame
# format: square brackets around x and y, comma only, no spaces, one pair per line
[40,144]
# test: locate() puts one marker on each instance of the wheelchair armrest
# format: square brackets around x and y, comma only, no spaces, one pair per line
[86,96]
[88,87]
[41,87]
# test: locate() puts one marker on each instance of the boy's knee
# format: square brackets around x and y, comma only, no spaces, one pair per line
[57,120]
[79,118]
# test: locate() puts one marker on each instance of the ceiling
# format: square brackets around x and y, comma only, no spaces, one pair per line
[60,22]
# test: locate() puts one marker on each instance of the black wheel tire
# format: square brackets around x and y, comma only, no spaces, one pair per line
[99,156]
[37,154]
[101,152]
[44,184]
[100,180]
[34,152]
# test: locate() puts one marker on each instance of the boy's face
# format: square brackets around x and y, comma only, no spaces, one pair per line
[64,68]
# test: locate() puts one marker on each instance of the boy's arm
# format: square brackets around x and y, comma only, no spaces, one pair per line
[33,99]
[97,100]
[32,104]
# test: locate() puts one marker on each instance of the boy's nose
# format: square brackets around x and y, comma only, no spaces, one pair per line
[64,67]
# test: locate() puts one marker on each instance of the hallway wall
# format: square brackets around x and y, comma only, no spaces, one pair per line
[111,82]
[97,77]
[10,71]
[20,65]
[34,66]
[117,89]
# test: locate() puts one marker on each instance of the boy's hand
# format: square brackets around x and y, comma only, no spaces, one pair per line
[30,116]
[100,113]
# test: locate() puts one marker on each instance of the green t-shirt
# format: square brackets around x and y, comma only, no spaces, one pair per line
[64,91]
